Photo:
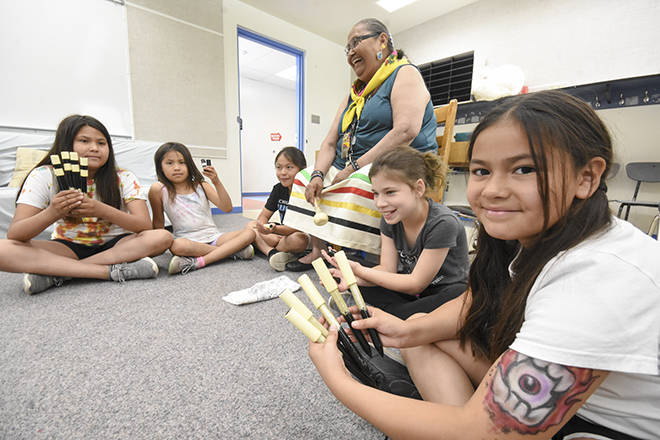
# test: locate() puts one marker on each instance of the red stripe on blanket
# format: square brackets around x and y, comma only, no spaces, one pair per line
[344,189]
[357,191]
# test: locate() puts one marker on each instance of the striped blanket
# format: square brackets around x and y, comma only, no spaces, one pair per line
[354,221]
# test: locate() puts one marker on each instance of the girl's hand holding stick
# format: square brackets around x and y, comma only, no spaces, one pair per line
[65,202]
[265,228]
[88,207]
[349,277]
[336,273]
[393,331]
[331,286]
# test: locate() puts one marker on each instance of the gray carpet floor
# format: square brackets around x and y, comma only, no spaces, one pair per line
[163,358]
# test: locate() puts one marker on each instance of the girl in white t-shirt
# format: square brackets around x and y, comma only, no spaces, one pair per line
[559,331]
[95,232]
[184,196]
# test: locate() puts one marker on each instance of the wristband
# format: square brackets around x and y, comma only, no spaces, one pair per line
[354,164]
[316,173]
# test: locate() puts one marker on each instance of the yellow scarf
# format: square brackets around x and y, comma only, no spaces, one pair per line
[358,99]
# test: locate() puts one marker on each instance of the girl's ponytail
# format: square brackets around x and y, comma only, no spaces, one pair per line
[435,172]
[411,165]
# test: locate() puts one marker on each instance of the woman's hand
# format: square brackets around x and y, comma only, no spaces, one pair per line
[327,358]
[343,174]
[210,173]
[313,189]
[65,202]
[392,330]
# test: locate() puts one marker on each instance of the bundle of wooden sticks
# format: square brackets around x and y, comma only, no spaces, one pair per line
[379,372]
[70,171]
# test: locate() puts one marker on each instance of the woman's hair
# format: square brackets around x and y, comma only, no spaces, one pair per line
[375,25]
[194,176]
[408,165]
[294,155]
[560,129]
[106,178]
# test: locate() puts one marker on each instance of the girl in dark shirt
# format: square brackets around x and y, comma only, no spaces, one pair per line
[279,242]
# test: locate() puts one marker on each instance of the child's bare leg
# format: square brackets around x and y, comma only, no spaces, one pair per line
[228,244]
[443,372]
[314,254]
[47,258]
[133,247]
[188,248]
[266,242]
[296,242]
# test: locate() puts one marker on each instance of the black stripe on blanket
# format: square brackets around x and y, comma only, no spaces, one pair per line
[338,221]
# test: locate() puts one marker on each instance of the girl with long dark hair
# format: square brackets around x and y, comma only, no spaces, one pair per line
[96,232]
[559,331]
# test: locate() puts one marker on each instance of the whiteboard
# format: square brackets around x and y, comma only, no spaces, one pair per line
[59,57]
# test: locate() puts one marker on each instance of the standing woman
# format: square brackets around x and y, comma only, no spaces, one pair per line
[388,105]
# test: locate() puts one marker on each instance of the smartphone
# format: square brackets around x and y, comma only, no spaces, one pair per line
[206,163]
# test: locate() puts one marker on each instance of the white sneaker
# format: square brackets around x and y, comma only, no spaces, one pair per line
[278,261]
[244,254]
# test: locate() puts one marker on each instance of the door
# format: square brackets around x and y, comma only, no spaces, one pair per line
[270,94]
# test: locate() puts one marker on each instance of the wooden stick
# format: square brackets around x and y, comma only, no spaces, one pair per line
[66,164]
[317,300]
[350,279]
[331,286]
[304,326]
[75,170]
[83,174]
[320,218]
[292,301]
[58,171]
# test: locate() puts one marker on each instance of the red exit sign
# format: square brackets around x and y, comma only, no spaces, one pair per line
[275,137]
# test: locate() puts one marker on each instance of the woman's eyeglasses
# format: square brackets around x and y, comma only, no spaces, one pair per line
[353,43]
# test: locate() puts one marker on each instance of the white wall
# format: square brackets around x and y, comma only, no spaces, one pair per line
[265,109]
[635,132]
[327,79]
[560,43]
[556,43]
[64,57]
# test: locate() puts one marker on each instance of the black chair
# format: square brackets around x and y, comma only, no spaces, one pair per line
[640,172]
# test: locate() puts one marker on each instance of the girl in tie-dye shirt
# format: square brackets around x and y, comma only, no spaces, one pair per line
[96,232]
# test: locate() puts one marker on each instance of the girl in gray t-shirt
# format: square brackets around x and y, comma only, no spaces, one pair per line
[424,252]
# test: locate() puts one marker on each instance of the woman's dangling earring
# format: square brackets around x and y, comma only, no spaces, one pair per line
[379,54]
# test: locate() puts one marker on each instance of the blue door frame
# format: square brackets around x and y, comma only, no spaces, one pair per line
[244,33]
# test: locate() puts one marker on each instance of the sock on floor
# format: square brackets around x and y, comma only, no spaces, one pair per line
[200,262]
[272,252]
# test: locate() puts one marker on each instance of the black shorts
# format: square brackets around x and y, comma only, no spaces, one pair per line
[582,428]
[84,250]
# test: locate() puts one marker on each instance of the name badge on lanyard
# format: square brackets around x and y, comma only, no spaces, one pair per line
[348,139]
